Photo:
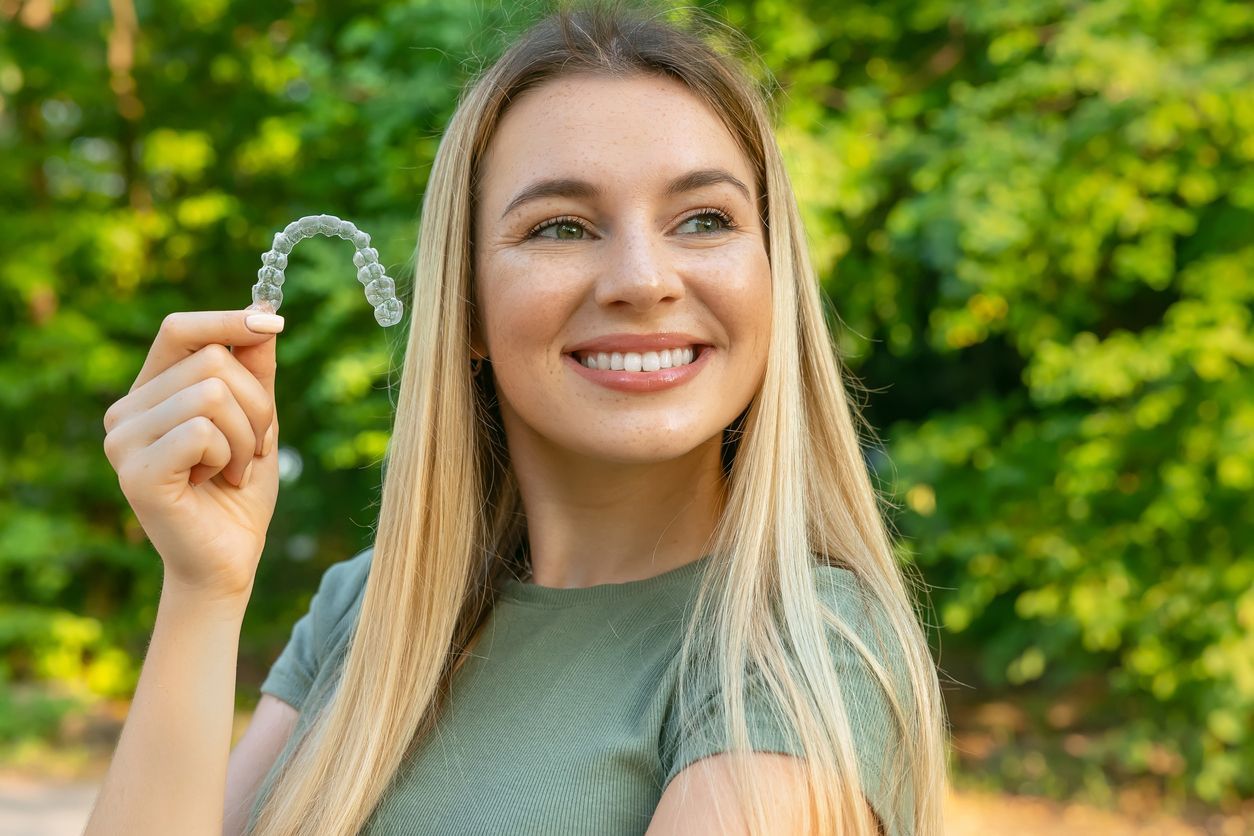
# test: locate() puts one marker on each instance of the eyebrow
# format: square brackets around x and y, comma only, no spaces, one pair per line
[574,188]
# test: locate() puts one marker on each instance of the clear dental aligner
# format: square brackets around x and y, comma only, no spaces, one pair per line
[380,290]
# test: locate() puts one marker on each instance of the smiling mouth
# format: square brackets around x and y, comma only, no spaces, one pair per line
[637,361]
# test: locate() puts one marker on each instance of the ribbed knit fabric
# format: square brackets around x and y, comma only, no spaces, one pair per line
[563,719]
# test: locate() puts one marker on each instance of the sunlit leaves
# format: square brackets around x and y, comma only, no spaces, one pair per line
[272,150]
[185,154]
[1069,188]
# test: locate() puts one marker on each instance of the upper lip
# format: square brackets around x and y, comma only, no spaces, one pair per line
[637,342]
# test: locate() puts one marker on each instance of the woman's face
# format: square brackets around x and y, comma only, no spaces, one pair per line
[620,238]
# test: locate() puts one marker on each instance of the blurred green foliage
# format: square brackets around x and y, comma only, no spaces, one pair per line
[1035,221]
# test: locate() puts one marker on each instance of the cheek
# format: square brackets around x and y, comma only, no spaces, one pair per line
[524,306]
[738,292]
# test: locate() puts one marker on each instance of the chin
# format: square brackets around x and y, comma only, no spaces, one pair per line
[620,456]
[636,447]
[617,434]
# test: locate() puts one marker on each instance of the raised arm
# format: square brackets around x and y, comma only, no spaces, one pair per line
[168,773]
[193,446]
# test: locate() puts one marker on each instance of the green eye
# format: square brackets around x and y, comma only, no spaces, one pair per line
[706,218]
[574,229]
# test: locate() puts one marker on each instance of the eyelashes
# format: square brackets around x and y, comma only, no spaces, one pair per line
[722,214]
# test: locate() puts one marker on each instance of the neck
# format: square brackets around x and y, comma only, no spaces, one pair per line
[593,522]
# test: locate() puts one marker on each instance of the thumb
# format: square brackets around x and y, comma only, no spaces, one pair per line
[259,357]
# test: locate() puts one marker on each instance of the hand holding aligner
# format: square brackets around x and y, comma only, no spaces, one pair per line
[380,289]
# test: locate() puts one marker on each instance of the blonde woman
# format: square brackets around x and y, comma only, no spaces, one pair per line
[630,575]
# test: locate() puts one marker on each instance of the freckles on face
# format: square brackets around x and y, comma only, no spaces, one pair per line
[618,243]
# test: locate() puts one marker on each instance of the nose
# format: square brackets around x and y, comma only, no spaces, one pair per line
[638,270]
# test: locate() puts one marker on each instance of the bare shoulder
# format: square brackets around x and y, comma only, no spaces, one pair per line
[701,799]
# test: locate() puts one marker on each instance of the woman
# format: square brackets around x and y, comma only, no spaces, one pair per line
[630,574]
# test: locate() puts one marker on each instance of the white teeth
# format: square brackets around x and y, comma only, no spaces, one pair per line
[648,361]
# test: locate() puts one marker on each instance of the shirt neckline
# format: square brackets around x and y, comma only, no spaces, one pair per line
[551,596]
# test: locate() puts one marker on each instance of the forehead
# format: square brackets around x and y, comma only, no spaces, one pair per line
[629,130]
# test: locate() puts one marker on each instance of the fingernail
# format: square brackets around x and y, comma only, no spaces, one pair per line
[264,323]
[267,443]
[248,472]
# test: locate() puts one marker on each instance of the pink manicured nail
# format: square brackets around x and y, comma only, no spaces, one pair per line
[263,323]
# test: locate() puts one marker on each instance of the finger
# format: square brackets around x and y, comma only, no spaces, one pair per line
[264,464]
[273,430]
[183,333]
[259,358]
[191,451]
[210,399]
[214,461]
[211,361]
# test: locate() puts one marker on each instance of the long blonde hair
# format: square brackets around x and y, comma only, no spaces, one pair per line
[796,490]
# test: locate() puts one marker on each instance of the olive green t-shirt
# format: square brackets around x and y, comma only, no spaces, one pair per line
[562,719]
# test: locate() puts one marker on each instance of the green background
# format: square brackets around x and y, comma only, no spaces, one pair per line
[1034,221]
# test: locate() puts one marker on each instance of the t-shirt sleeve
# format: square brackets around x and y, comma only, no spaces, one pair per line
[877,737]
[292,675]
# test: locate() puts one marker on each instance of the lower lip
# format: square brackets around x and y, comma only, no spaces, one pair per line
[656,381]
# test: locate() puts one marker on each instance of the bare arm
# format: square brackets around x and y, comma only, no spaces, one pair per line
[168,773]
[271,725]
[701,799]
[185,442]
